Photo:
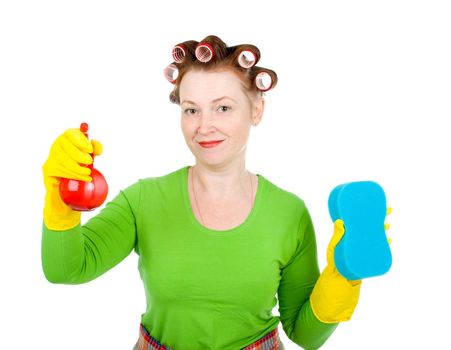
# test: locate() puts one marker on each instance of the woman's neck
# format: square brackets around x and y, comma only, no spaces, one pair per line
[219,184]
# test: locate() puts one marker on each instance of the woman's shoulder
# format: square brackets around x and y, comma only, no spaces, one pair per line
[282,196]
[169,179]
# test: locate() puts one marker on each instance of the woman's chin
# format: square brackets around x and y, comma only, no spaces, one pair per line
[211,159]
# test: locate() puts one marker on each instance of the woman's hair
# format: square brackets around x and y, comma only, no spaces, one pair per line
[213,54]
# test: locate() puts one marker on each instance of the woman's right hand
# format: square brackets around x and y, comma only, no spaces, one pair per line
[68,157]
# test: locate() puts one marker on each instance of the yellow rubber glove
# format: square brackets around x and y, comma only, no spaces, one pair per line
[67,153]
[334,298]
[387,225]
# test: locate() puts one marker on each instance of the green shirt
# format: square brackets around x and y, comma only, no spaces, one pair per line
[205,289]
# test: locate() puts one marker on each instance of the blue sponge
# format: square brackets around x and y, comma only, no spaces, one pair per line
[363,251]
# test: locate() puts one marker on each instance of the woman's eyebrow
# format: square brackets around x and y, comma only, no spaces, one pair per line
[214,101]
[222,98]
[187,101]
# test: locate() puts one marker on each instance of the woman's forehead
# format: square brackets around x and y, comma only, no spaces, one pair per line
[210,85]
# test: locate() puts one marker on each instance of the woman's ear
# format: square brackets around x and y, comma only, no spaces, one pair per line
[259,107]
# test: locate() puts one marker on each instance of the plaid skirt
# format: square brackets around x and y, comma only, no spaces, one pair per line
[270,341]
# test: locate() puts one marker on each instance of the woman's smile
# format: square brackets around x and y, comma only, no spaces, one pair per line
[210,144]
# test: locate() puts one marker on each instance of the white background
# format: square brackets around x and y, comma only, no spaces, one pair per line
[363,94]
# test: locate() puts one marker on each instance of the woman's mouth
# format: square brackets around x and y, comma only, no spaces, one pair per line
[210,144]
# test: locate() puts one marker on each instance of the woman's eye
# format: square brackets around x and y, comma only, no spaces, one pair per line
[190,111]
[224,108]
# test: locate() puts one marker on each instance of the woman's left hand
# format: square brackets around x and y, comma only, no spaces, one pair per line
[334,298]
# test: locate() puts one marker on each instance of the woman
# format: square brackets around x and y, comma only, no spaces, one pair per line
[215,242]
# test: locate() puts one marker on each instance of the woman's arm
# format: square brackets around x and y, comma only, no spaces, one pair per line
[84,252]
[298,278]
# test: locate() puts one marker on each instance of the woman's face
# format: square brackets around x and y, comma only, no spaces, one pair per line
[214,107]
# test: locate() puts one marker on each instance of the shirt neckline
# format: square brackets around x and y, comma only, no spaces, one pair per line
[250,218]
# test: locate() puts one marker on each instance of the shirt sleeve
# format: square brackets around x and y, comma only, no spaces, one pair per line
[298,278]
[85,252]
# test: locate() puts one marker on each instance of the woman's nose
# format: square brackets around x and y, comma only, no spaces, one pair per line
[206,123]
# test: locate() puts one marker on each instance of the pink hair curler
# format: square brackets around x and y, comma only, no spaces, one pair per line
[172,97]
[247,59]
[81,195]
[171,73]
[263,81]
[204,52]
[179,53]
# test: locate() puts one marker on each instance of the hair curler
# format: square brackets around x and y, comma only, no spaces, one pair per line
[263,81]
[173,98]
[204,52]
[247,59]
[179,53]
[171,73]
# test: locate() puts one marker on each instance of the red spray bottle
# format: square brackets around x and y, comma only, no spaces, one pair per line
[81,195]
